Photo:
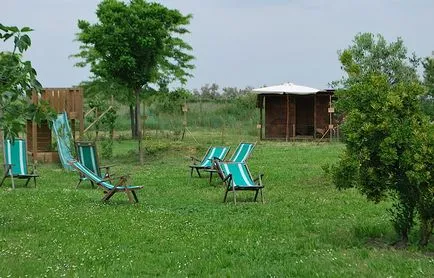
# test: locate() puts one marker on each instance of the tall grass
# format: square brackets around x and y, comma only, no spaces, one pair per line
[306,228]
[236,114]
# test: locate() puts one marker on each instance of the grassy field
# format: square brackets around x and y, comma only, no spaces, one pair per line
[181,228]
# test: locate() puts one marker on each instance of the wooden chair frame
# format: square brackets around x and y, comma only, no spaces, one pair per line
[109,188]
[8,168]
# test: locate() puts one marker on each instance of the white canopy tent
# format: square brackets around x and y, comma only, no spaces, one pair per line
[292,110]
[287,88]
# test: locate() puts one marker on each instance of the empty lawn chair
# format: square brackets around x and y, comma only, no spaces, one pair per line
[15,162]
[237,176]
[109,188]
[241,154]
[88,157]
[206,162]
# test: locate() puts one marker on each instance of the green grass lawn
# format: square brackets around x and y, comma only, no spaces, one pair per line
[306,228]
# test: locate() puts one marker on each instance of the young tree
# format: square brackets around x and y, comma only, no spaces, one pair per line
[210,92]
[428,75]
[230,92]
[17,83]
[428,100]
[136,44]
[386,133]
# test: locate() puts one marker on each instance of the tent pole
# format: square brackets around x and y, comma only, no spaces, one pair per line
[287,117]
[260,117]
[314,116]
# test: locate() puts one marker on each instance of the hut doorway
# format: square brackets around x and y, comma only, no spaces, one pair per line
[304,113]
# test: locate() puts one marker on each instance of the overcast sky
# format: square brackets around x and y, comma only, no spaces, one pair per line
[237,43]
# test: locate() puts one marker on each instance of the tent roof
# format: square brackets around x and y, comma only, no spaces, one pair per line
[287,88]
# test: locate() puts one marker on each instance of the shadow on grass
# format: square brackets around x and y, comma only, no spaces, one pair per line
[383,237]
[377,236]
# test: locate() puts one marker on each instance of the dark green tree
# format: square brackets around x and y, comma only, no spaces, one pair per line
[386,133]
[428,75]
[136,44]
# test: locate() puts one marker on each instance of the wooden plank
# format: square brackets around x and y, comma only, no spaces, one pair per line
[64,103]
[55,96]
[69,105]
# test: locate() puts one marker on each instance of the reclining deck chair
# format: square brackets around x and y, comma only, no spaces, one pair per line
[15,162]
[237,176]
[206,162]
[88,157]
[109,188]
[241,154]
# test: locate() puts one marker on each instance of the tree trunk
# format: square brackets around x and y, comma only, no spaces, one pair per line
[139,126]
[112,130]
[425,231]
[136,120]
[133,122]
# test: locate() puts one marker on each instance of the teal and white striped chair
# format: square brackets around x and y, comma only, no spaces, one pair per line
[207,161]
[109,188]
[88,157]
[242,152]
[15,158]
[237,176]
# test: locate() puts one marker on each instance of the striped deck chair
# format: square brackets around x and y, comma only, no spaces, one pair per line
[109,188]
[88,157]
[242,152]
[206,162]
[237,176]
[15,158]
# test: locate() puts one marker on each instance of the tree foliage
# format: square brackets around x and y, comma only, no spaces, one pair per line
[371,54]
[17,82]
[136,44]
[386,134]
[428,74]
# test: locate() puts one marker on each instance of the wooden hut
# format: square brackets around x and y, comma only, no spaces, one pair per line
[39,138]
[291,116]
